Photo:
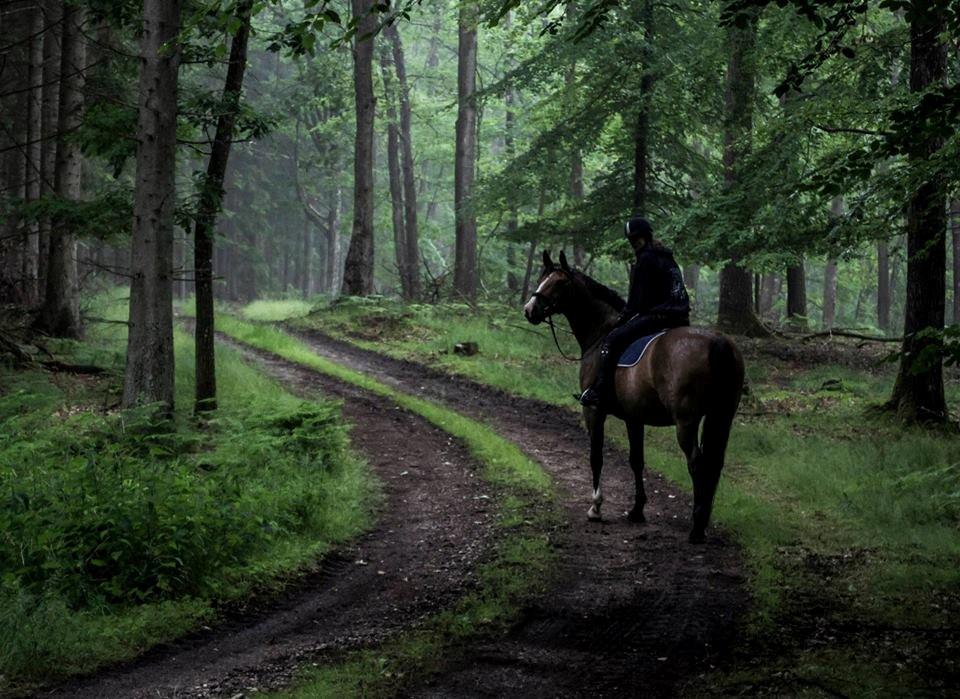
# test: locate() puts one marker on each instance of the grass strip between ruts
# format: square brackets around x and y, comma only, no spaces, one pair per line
[520,565]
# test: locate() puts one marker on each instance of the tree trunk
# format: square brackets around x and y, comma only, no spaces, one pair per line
[60,314]
[358,269]
[918,394]
[797,296]
[333,238]
[31,253]
[433,53]
[393,170]
[735,312]
[768,294]
[15,66]
[50,109]
[829,294]
[691,278]
[641,155]
[955,239]
[150,372]
[306,280]
[883,285]
[465,266]
[210,203]
[528,272]
[411,228]
[509,141]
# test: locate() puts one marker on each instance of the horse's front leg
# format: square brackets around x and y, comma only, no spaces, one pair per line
[635,433]
[595,422]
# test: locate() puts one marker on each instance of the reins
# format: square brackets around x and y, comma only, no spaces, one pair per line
[548,312]
[553,330]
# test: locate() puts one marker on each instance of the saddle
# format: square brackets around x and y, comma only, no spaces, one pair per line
[634,353]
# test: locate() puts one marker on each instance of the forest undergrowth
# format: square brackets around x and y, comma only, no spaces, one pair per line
[120,533]
[849,521]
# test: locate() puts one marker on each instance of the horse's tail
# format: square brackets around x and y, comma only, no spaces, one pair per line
[726,371]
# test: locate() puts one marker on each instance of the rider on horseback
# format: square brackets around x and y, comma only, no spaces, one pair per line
[657,301]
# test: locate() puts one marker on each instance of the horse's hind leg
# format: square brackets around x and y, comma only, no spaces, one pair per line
[635,433]
[595,422]
[706,472]
[687,439]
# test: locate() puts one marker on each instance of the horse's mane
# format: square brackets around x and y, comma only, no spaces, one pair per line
[598,290]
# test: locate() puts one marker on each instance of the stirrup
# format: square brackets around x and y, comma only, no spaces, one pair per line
[590,398]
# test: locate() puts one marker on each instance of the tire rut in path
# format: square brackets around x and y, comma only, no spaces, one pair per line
[633,609]
[436,525]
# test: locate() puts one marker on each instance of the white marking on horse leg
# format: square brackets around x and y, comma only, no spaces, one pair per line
[594,511]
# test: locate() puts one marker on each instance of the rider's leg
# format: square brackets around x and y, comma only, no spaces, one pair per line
[613,346]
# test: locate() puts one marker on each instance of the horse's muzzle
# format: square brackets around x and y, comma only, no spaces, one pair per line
[533,312]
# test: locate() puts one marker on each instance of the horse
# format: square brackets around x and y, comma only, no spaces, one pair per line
[685,376]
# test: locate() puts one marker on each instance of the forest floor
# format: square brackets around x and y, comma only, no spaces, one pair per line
[623,605]
[848,522]
[832,570]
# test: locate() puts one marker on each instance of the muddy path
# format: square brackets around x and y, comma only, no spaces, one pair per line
[633,609]
[419,558]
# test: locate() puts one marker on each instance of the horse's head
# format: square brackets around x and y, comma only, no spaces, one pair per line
[552,290]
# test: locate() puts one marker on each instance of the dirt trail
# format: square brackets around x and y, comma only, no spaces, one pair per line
[435,527]
[635,609]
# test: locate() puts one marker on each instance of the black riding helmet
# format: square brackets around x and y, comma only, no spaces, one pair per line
[638,227]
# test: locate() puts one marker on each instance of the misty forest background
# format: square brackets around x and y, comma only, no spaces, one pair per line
[388,174]
[428,150]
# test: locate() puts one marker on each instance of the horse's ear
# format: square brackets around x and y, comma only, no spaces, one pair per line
[547,262]
[563,262]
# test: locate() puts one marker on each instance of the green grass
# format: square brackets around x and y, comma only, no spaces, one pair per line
[119,534]
[276,310]
[518,570]
[837,509]
[428,333]
[504,462]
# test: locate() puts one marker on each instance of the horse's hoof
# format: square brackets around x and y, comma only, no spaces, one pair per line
[594,515]
[697,538]
[636,516]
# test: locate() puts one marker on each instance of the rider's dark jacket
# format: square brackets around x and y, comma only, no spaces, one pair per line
[656,285]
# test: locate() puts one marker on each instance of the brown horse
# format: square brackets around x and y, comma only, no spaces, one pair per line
[685,376]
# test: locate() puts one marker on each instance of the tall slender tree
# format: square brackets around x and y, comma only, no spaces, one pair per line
[829,294]
[735,312]
[34,154]
[60,313]
[918,394]
[955,241]
[50,108]
[358,268]
[883,285]
[149,370]
[797,296]
[641,136]
[393,171]
[211,199]
[465,265]
[14,60]
[411,228]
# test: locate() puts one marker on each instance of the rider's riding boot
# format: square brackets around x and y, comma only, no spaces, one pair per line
[597,393]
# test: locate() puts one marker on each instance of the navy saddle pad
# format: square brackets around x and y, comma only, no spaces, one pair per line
[634,353]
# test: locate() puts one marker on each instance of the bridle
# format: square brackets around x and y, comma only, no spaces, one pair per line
[549,308]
